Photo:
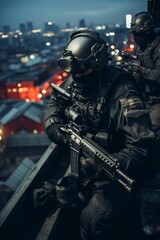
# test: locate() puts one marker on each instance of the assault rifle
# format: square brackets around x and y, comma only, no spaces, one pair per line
[80,145]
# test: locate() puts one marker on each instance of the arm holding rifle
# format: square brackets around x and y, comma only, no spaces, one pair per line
[86,146]
[54,115]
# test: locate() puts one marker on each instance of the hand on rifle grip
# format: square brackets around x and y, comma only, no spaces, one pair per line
[55,134]
[89,166]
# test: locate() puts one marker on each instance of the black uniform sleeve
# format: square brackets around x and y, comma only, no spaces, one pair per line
[132,121]
[54,115]
[152,73]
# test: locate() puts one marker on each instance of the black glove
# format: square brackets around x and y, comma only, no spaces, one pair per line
[44,195]
[136,67]
[55,134]
[89,167]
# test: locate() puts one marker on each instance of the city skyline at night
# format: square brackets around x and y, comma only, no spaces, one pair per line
[12,13]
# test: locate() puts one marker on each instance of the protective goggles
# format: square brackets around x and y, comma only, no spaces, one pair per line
[72,64]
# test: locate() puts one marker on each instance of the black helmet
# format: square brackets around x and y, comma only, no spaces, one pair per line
[142,23]
[85,50]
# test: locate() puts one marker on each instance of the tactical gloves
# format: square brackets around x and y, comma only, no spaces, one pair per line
[88,167]
[55,134]
[43,194]
[136,67]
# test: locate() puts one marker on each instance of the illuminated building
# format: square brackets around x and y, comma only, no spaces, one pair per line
[16,116]
[128,20]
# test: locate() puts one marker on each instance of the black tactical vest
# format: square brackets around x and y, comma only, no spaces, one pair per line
[147,57]
[94,106]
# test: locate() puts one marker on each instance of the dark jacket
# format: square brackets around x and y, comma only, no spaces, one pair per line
[150,81]
[150,61]
[121,114]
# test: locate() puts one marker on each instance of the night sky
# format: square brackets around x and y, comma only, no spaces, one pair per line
[13,12]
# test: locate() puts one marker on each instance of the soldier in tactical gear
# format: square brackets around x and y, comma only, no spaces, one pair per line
[143,29]
[112,108]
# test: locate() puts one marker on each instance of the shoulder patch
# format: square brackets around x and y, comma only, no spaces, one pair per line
[128,103]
